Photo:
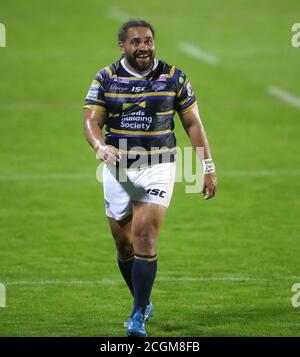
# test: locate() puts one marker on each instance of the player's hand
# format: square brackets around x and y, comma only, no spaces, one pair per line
[108,153]
[210,185]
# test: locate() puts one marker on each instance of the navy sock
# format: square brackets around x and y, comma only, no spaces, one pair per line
[143,276]
[125,266]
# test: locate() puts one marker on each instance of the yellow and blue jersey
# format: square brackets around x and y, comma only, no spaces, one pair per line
[140,111]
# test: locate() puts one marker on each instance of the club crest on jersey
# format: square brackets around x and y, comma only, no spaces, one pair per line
[158,86]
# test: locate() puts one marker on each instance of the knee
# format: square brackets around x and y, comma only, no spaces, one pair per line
[124,246]
[124,250]
[146,238]
[144,242]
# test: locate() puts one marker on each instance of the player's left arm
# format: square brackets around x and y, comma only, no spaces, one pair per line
[193,126]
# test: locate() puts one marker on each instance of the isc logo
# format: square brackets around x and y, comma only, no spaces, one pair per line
[138,89]
[156,192]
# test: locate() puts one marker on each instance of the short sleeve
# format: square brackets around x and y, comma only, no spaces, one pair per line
[185,97]
[95,98]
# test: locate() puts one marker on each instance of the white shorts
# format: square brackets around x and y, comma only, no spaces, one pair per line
[153,184]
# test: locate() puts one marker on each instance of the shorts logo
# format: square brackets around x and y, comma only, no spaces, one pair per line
[106,204]
[156,192]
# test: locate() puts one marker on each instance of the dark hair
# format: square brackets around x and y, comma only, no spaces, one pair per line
[132,23]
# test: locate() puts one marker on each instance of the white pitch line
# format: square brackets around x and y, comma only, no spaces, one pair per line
[118,15]
[262,173]
[49,177]
[185,279]
[78,176]
[284,96]
[64,282]
[198,53]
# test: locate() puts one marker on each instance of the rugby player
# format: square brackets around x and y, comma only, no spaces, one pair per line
[136,98]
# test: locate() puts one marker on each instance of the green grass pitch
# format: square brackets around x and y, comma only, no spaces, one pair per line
[226,266]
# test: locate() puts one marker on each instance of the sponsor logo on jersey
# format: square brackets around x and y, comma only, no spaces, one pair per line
[127,106]
[123,80]
[136,120]
[93,91]
[116,88]
[138,89]
[162,77]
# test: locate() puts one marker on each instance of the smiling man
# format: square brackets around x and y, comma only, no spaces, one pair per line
[136,99]
[137,47]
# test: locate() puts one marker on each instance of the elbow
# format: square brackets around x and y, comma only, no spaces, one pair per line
[191,126]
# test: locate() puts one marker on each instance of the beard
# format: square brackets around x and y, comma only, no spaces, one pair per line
[141,64]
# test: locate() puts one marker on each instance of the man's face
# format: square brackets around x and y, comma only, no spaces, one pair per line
[139,48]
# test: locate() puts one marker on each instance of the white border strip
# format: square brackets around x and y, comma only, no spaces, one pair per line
[198,53]
[284,96]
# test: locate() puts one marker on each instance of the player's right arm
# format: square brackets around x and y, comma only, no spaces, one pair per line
[93,123]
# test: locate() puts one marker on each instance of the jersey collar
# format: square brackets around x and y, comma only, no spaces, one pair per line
[138,75]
